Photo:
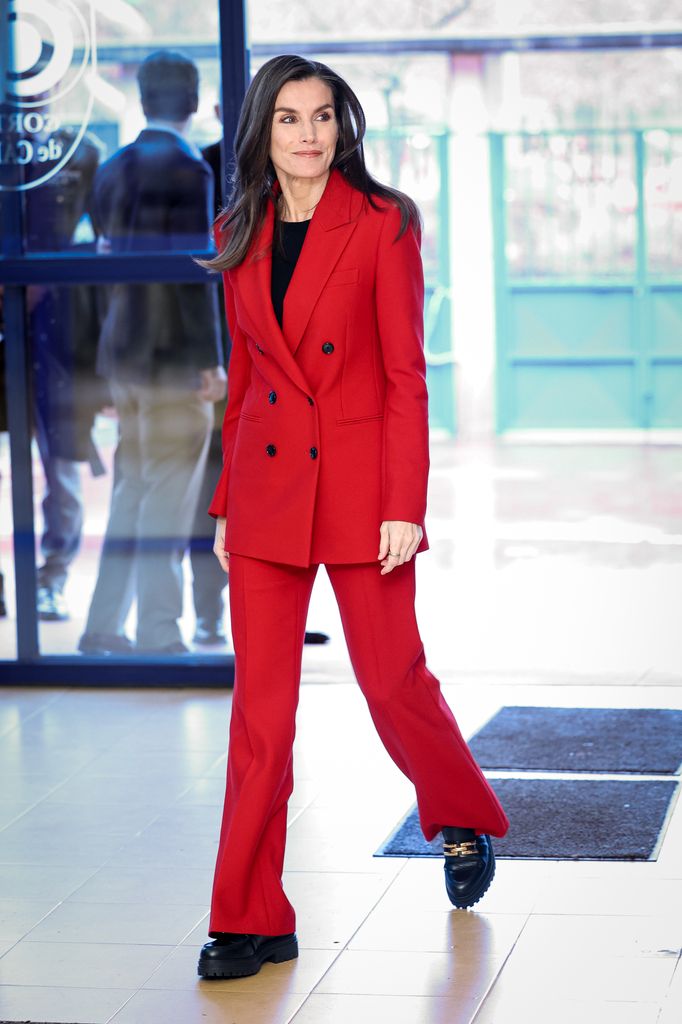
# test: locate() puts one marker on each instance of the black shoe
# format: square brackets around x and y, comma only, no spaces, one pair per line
[51,605]
[175,648]
[469,868]
[210,631]
[316,638]
[105,643]
[236,956]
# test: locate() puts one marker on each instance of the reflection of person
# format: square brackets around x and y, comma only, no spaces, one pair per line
[160,351]
[208,579]
[325,461]
[63,330]
[4,426]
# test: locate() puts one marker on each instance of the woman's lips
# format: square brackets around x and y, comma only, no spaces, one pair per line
[315,152]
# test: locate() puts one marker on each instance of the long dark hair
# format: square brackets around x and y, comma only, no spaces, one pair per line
[254,176]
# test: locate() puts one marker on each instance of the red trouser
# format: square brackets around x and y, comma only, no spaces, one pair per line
[269,604]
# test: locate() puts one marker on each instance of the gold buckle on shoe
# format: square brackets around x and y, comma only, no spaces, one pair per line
[465,849]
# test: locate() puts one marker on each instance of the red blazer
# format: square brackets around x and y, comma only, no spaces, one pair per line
[326,429]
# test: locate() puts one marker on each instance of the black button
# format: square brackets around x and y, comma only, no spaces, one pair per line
[270,450]
[310,401]
[272,397]
[313,453]
[327,348]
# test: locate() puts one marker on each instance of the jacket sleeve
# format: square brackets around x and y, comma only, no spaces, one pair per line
[238,374]
[400,319]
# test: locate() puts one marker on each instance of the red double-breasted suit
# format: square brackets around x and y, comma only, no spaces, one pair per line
[326,436]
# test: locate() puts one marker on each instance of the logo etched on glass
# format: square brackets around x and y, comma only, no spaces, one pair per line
[48,64]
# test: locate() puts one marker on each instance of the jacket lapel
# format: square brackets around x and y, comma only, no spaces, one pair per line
[331,227]
[255,285]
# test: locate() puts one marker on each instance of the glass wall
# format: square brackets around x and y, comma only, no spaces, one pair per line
[110,176]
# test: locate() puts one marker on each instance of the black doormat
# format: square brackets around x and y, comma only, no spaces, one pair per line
[562,819]
[632,740]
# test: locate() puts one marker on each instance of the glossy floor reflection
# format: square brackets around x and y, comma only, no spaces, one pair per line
[554,578]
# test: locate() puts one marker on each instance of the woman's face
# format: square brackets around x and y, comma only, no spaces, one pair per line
[304,130]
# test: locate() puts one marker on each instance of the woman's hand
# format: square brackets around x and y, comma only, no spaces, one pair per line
[398,541]
[219,544]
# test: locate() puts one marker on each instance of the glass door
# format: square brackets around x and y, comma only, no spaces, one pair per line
[114,346]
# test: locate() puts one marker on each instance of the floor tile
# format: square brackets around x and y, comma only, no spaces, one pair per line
[128,923]
[29,787]
[96,815]
[649,897]
[61,1005]
[181,886]
[469,936]
[57,848]
[366,1009]
[671,1012]
[120,789]
[10,812]
[419,974]
[19,758]
[80,964]
[155,765]
[503,1007]
[208,792]
[163,846]
[322,840]
[420,886]
[601,936]
[179,971]
[591,978]
[207,1005]
[42,882]
[331,906]
[18,916]
[186,820]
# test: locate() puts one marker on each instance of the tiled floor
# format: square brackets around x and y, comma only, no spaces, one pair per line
[554,578]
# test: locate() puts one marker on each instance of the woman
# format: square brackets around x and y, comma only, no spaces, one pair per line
[325,445]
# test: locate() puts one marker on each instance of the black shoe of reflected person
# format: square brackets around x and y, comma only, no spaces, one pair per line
[210,631]
[105,643]
[237,956]
[50,605]
[175,648]
[469,869]
[315,638]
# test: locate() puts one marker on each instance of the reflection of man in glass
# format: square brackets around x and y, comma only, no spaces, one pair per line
[63,328]
[160,351]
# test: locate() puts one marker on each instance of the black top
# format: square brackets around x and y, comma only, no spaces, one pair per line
[293,234]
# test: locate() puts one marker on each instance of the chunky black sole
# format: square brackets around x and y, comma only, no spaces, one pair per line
[278,951]
[480,890]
